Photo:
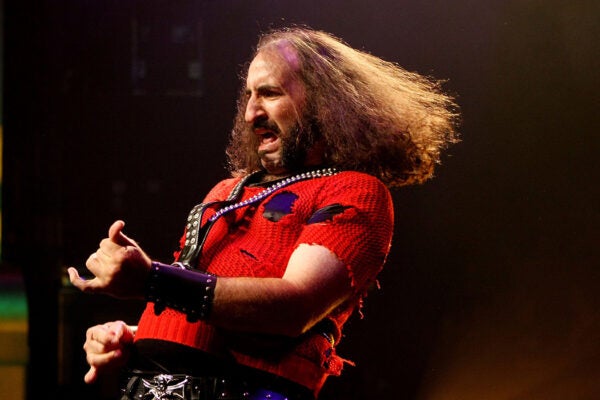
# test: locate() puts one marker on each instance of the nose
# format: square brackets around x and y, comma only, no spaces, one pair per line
[254,110]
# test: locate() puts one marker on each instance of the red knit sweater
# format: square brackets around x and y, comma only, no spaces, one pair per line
[257,241]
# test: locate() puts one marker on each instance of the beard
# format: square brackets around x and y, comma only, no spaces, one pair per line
[294,149]
[295,143]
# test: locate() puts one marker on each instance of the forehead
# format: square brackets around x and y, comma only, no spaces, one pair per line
[273,65]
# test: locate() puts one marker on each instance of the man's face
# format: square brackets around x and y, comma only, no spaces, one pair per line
[275,104]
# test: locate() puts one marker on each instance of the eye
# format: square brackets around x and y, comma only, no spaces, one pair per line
[269,92]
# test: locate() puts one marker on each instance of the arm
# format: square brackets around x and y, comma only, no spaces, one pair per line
[342,247]
[315,282]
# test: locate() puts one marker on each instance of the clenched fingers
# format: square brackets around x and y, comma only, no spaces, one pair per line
[105,347]
[109,334]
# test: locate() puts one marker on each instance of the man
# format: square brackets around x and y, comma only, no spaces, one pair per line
[276,258]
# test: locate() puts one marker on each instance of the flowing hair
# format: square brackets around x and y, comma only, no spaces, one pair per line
[372,115]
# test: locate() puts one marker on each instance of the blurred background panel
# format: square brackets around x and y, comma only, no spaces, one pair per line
[122,109]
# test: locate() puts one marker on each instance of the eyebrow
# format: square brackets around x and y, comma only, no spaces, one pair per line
[265,88]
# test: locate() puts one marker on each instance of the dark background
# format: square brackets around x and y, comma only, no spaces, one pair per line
[121,109]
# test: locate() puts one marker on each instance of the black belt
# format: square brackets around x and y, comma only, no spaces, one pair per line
[144,386]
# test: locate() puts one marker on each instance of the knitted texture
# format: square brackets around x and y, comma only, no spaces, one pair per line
[350,213]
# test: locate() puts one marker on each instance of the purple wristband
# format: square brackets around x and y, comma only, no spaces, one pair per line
[190,292]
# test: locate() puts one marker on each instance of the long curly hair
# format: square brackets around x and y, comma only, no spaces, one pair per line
[372,115]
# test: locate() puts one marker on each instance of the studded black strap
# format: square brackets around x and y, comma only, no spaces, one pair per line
[196,233]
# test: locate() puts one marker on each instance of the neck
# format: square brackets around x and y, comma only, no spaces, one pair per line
[268,176]
[273,177]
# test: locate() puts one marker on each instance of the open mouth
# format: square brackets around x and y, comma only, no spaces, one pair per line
[267,137]
[268,142]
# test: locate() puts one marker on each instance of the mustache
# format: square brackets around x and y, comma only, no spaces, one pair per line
[266,124]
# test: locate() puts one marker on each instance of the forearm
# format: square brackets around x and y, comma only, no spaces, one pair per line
[315,283]
[262,305]
[267,305]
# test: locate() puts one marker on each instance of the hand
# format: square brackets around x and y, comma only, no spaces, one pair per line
[120,267]
[107,349]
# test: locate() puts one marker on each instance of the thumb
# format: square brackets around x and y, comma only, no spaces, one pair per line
[115,233]
[81,283]
[73,274]
[91,375]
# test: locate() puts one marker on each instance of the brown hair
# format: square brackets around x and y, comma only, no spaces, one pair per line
[373,115]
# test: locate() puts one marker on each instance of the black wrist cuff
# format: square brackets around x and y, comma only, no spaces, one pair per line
[190,292]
